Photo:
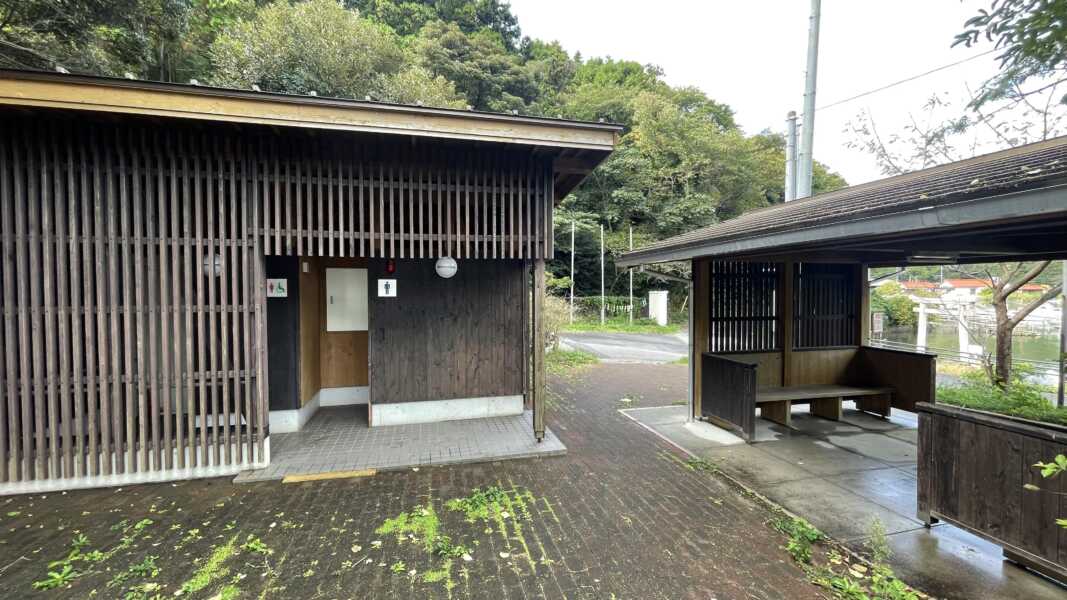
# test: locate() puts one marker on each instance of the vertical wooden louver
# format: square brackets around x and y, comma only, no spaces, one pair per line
[133,327]
[123,351]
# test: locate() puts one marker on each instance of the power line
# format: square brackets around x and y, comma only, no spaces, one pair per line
[903,81]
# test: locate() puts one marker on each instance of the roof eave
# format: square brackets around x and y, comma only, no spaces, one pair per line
[1029,204]
[76,92]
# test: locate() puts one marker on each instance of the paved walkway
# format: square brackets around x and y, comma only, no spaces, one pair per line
[619,516]
[630,347]
[338,439]
[840,476]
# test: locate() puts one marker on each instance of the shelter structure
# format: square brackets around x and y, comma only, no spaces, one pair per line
[781,299]
[188,269]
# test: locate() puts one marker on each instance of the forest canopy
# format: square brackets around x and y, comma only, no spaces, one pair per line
[683,161]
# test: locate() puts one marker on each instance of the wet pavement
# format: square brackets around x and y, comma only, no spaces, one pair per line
[621,515]
[630,347]
[841,476]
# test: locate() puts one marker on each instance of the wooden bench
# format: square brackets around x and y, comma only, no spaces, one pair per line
[776,403]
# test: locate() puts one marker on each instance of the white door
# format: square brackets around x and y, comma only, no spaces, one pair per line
[346,299]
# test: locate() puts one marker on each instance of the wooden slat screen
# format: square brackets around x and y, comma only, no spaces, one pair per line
[123,351]
[343,196]
[743,311]
[825,305]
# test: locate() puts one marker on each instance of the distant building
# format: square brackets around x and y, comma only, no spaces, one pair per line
[966,290]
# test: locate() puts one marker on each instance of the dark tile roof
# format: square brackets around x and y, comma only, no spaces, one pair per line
[1025,167]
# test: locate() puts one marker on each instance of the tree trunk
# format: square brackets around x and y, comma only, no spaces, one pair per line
[1003,351]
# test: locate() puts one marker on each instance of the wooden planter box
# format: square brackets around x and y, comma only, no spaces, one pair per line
[972,468]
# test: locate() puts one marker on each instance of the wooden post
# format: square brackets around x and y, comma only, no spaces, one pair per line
[539,349]
[863,297]
[699,303]
[601,274]
[785,319]
[572,272]
[631,270]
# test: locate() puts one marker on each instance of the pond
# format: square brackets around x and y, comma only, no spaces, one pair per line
[1025,347]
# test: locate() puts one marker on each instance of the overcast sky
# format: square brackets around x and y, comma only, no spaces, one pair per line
[751,55]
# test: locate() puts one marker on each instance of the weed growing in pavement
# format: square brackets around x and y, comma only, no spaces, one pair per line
[256,546]
[801,536]
[421,522]
[856,581]
[57,579]
[878,543]
[701,464]
[398,567]
[480,504]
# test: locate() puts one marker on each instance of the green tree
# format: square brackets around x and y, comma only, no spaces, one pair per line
[320,46]
[1032,41]
[310,46]
[479,64]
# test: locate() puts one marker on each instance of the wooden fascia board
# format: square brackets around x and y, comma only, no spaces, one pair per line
[213,105]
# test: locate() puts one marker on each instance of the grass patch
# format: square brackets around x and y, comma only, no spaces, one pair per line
[421,522]
[621,325]
[681,361]
[213,569]
[563,362]
[1022,399]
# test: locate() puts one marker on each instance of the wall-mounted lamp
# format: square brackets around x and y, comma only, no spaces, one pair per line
[446,267]
[212,265]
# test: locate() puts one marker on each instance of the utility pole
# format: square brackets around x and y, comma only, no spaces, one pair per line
[791,156]
[572,272]
[1063,338]
[631,305]
[807,131]
[601,274]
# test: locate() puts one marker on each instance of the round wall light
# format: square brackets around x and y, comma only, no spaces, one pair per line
[446,267]
[212,265]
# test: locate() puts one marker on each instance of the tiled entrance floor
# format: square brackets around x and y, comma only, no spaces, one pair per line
[339,439]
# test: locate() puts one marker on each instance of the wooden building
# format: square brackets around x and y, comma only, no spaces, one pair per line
[780,310]
[186,269]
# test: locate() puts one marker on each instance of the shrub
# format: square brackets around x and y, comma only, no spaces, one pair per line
[556,315]
[898,308]
[1020,399]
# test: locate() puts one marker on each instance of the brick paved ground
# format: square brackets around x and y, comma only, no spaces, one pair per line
[620,516]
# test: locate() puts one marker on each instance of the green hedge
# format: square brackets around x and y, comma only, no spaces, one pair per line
[1021,399]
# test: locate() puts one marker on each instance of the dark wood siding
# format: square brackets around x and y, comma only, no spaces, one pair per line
[972,467]
[283,336]
[447,338]
[123,351]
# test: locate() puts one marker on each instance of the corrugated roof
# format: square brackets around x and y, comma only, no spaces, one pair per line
[1026,167]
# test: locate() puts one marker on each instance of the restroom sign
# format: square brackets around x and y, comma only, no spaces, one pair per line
[387,288]
[277,288]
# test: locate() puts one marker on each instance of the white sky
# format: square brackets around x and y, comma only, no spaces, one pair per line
[751,55]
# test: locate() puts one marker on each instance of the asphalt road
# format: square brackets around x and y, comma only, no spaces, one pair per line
[630,347]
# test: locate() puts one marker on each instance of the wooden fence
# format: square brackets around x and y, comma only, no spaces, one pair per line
[972,469]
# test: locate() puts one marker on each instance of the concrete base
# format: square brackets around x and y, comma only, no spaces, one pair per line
[434,411]
[288,421]
[344,396]
[123,479]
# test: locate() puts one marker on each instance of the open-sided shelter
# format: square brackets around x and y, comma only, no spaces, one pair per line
[780,317]
[187,269]
[780,295]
